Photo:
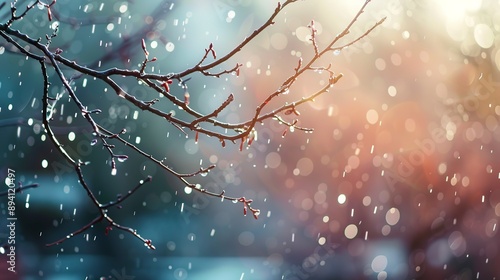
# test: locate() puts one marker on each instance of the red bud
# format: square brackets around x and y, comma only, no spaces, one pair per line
[165,85]
[241,144]
[256,214]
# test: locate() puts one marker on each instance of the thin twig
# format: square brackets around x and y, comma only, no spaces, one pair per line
[19,189]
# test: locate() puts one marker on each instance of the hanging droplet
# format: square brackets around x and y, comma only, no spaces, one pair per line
[121,158]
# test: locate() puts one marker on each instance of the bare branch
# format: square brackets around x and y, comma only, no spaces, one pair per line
[162,86]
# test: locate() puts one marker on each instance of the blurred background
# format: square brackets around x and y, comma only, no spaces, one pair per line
[399,179]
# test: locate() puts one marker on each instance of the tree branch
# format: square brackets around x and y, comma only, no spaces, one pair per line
[245,131]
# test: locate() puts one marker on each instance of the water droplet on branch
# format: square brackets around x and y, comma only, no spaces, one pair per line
[121,158]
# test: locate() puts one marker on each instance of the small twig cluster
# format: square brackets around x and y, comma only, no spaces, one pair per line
[15,17]
[244,133]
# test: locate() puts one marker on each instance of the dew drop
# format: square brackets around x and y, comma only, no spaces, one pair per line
[121,158]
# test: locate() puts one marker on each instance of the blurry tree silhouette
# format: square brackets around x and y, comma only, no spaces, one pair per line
[62,70]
